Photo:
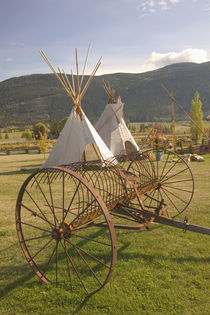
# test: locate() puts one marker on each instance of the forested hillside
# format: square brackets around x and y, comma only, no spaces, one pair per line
[39,97]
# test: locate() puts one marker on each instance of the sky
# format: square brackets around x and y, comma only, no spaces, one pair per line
[131,35]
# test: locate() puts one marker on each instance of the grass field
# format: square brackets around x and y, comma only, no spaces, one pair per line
[160,271]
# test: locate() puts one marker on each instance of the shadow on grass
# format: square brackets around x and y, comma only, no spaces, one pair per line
[17,283]
[10,271]
[150,258]
[80,306]
[27,171]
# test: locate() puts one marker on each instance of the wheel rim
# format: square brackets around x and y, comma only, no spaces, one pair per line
[176,183]
[65,230]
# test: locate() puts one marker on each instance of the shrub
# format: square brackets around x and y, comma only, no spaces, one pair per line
[39,130]
[27,134]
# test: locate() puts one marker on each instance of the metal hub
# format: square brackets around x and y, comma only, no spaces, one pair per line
[64,231]
[56,235]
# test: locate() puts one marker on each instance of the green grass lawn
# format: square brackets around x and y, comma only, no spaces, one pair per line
[159,271]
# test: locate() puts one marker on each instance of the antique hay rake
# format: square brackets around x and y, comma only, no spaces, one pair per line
[66,216]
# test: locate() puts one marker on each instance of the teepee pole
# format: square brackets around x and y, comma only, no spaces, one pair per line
[63,75]
[73,85]
[69,84]
[53,70]
[74,90]
[105,87]
[66,81]
[78,85]
[62,78]
[90,79]
[84,67]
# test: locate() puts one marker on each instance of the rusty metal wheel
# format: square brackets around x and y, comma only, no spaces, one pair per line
[175,180]
[65,230]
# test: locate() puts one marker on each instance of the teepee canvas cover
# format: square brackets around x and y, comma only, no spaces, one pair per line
[112,128]
[78,140]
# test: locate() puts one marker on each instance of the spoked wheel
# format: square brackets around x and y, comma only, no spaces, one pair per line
[65,230]
[174,181]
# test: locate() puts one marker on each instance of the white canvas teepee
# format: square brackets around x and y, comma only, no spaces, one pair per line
[112,128]
[78,140]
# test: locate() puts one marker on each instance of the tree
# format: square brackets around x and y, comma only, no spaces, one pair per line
[27,134]
[43,144]
[54,130]
[197,116]
[39,130]
[61,124]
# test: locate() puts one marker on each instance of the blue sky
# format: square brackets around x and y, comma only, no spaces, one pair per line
[130,35]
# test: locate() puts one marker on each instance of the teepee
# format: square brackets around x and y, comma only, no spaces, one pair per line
[78,140]
[112,128]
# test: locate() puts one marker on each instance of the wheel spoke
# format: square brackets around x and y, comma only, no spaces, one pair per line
[31,225]
[166,161]
[40,250]
[175,195]
[91,239]
[35,238]
[50,259]
[56,266]
[180,181]
[178,173]
[68,266]
[175,163]
[170,200]
[88,254]
[51,197]
[176,188]
[86,263]
[36,214]
[75,269]
[37,207]
[43,194]
[71,202]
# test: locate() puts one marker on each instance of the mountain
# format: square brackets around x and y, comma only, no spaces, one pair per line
[39,97]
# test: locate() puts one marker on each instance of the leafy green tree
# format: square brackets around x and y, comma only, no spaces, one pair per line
[197,116]
[54,130]
[61,124]
[27,134]
[43,144]
[39,130]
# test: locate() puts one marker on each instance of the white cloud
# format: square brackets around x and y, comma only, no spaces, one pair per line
[163,5]
[157,60]
[175,1]
[9,59]
[153,6]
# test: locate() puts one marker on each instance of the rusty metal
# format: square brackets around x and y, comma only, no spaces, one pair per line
[66,216]
[46,226]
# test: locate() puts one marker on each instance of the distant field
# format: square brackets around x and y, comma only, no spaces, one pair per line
[181,128]
[12,137]
[160,271]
